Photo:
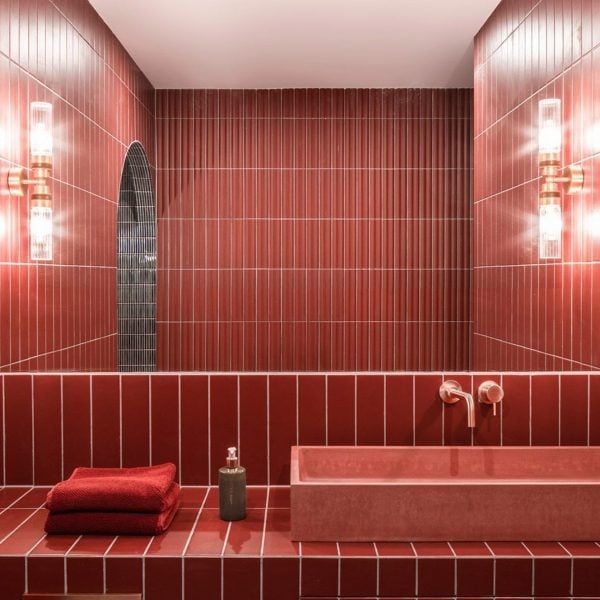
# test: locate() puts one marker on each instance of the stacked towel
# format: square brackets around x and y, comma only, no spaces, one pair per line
[138,501]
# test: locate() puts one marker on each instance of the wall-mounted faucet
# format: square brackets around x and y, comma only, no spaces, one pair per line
[451,392]
[490,393]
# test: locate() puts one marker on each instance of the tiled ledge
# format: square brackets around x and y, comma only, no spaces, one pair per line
[255,559]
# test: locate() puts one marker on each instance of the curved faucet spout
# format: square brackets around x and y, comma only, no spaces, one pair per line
[451,392]
[470,406]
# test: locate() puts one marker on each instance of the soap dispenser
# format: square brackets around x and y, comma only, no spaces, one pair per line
[232,488]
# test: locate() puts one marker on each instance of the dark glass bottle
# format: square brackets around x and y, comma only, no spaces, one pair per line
[232,489]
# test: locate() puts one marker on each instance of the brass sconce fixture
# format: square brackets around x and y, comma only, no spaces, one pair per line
[550,146]
[37,180]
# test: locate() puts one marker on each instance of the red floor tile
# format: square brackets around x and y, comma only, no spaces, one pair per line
[245,536]
[209,535]
[277,534]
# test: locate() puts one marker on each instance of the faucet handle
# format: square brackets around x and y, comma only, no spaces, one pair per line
[490,392]
[447,388]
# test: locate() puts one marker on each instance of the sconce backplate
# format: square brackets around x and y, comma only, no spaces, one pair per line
[16,181]
[574,174]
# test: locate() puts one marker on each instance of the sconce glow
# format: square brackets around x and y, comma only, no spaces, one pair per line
[40,232]
[40,132]
[550,231]
[550,126]
[593,224]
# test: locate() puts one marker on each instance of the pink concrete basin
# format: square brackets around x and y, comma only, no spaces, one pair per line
[371,493]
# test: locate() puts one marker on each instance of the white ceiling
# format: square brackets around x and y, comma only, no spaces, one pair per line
[299,43]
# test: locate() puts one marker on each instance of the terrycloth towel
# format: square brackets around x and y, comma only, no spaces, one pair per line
[136,490]
[112,523]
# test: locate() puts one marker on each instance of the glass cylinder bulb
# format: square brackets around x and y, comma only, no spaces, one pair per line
[550,126]
[550,231]
[40,129]
[40,232]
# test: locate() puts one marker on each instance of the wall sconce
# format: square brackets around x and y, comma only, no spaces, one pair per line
[549,148]
[40,207]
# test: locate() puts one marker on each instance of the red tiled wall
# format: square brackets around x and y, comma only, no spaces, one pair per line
[531,314]
[55,422]
[314,229]
[62,315]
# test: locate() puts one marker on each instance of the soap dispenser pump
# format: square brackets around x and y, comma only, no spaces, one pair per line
[232,488]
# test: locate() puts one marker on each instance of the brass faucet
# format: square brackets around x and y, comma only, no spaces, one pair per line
[451,392]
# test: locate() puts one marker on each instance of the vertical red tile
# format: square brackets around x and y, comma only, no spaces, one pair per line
[399,410]
[18,434]
[595,410]
[516,410]
[253,428]
[341,410]
[135,410]
[427,410]
[164,400]
[545,410]
[370,400]
[106,433]
[574,410]
[282,426]
[47,429]
[76,422]
[223,391]
[194,430]
[312,405]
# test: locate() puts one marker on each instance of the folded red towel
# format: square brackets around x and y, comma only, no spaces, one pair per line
[111,523]
[138,490]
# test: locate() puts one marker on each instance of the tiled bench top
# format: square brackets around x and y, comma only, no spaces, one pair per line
[194,552]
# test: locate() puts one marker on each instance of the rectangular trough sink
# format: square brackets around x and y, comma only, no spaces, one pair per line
[373,493]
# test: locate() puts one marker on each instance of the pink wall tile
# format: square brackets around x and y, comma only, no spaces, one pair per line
[312,402]
[283,411]
[298,216]
[135,415]
[267,410]
[165,406]
[106,442]
[532,314]
[516,410]
[253,427]
[223,420]
[77,423]
[194,430]
[341,410]
[574,421]
[18,424]
[47,406]
[370,399]
[61,315]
